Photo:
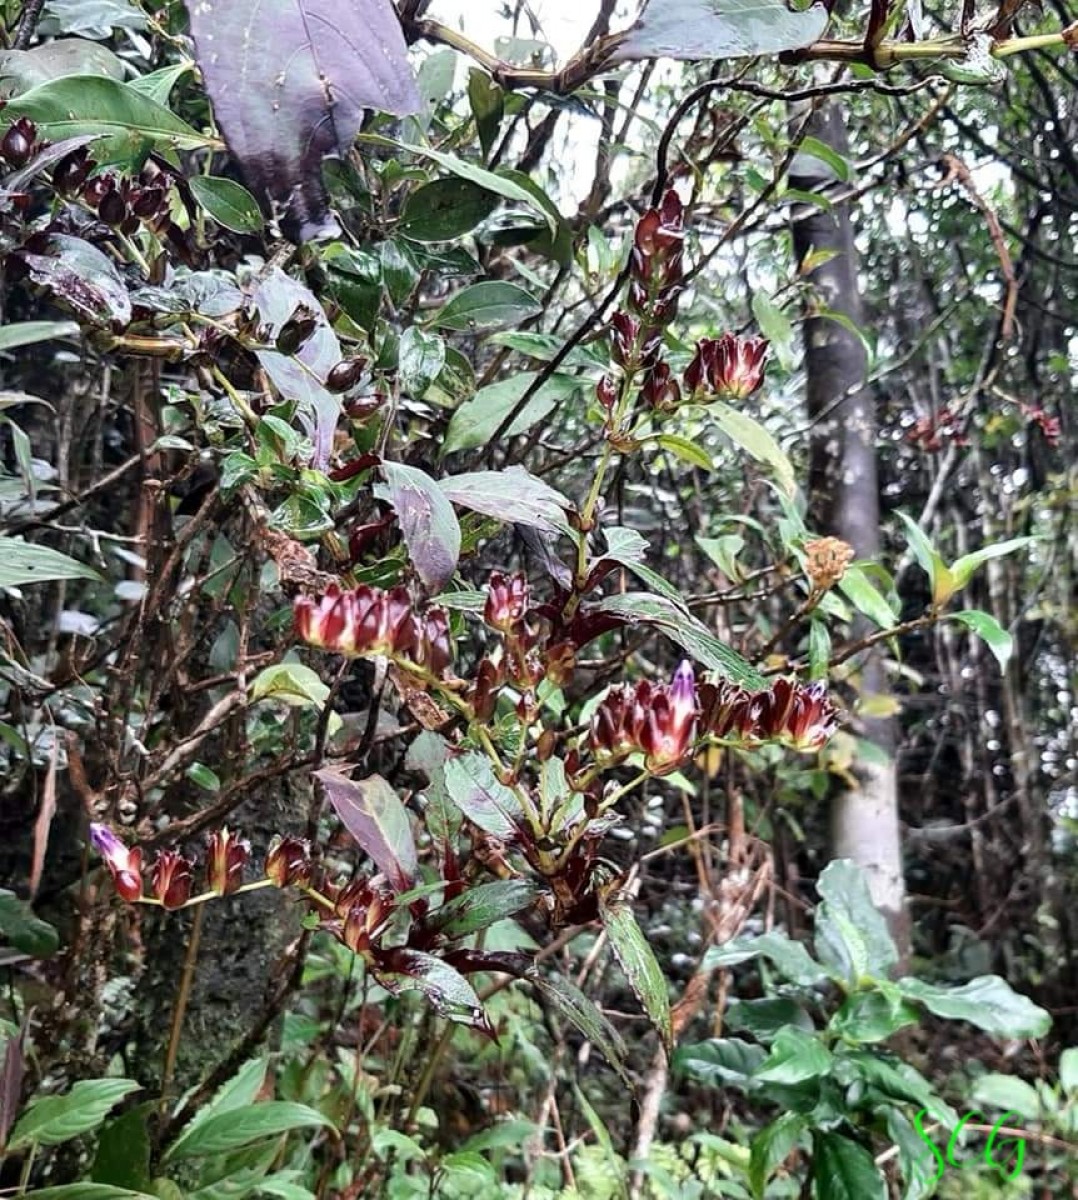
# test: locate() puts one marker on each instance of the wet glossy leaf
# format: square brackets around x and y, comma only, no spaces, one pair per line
[21,70]
[54,1119]
[22,563]
[445,209]
[82,277]
[689,452]
[988,1002]
[475,421]
[123,119]
[863,594]
[842,1169]
[427,520]
[241,1126]
[852,938]
[420,360]
[94,18]
[714,29]
[290,80]
[444,986]
[581,1012]
[747,433]
[790,958]
[640,966]
[692,635]
[229,203]
[488,105]
[796,1055]
[481,906]
[473,788]
[512,495]
[373,814]
[770,1147]
[488,305]
[986,627]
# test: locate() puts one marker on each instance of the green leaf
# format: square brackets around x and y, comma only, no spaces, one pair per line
[719,1062]
[241,1091]
[420,360]
[685,450]
[898,1082]
[476,420]
[754,439]
[54,1119]
[689,633]
[943,584]
[241,1126]
[863,594]
[498,184]
[796,1055]
[295,684]
[488,105]
[486,802]
[230,204]
[764,1018]
[90,1191]
[716,29]
[20,929]
[1068,1071]
[204,777]
[771,1147]
[427,521]
[963,568]
[444,986]
[991,632]
[813,147]
[158,84]
[988,1002]
[487,305]
[1009,1093]
[124,118]
[27,333]
[639,965]
[789,958]
[872,1016]
[852,936]
[844,1170]
[482,905]
[583,1014]
[723,552]
[776,326]
[123,1150]
[445,209]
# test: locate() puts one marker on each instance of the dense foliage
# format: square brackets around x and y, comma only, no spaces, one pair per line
[437,625]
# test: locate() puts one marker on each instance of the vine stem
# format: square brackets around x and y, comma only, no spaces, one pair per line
[183,997]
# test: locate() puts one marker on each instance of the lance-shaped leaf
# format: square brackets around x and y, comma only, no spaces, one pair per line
[511,495]
[581,1012]
[481,906]
[372,813]
[290,80]
[640,966]
[427,520]
[714,29]
[403,970]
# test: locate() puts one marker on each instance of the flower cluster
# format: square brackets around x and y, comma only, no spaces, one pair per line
[930,433]
[801,715]
[826,560]
[19,143]
[655,262]
[370,621]
[654,719]
[361,911]
[726,368]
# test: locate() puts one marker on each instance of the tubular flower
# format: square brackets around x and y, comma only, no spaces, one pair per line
[364,908]
[228,855]
[801,715]
[507,601]
[826,561]
[170,878]
[651,718]
[669,720]
[434,648]
[125,866]
[660,391]
[811,720]
[364,621]
[727,367]
[288,861]
[655,265]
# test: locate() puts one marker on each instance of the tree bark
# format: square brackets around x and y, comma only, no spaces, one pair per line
[844,496]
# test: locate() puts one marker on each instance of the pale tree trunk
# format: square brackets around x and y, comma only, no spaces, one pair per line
[844,501]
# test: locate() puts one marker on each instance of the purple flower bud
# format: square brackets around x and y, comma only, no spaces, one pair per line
[124,865]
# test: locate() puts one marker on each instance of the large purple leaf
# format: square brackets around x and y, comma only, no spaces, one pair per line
[372,813]
[427,520]
[509,495]
[290,80]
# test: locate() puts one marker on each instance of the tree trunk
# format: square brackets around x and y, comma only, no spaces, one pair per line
[844,499]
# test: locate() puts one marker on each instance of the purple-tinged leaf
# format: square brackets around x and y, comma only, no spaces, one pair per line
[427,520]
[715,29]
[290,80]
[11,1075]
[80,276]
[372,813]
[43,160]
[639,965]
[473,788]
[404,970]
[479,907]
[300,377]
[512,495]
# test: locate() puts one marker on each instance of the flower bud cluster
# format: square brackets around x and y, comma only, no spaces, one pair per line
[654,719]
[370,621]
[801,715]
[826,560]
[726,368]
